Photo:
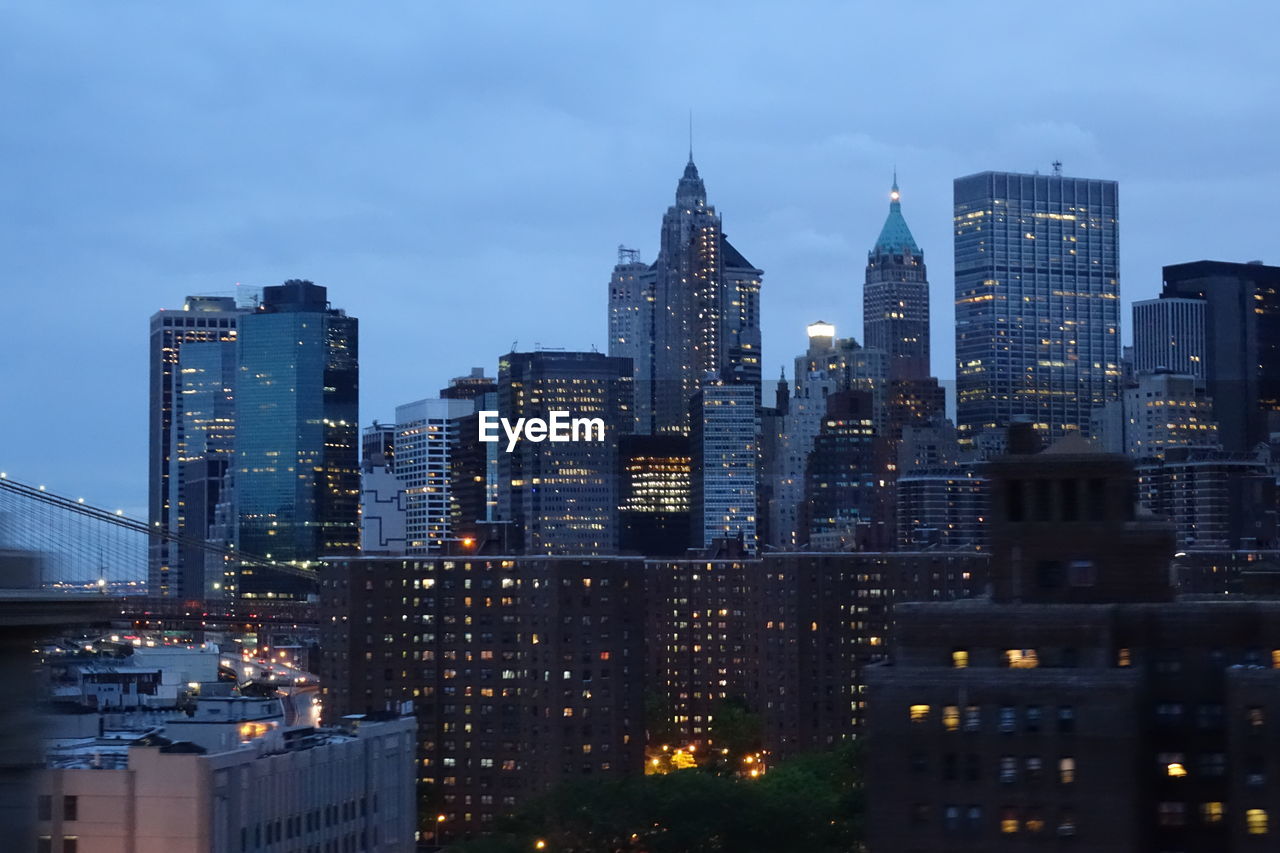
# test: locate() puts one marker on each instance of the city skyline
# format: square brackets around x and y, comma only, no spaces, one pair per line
[805,197]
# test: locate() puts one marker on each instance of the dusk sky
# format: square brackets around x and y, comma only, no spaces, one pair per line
[460,174]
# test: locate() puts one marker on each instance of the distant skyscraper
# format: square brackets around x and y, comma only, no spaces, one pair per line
[382,496]
[1241,342]
[895,298]
[842,478]
[724,442]
[297,477]
[1037,301]
[1168,334]
[426,433]
[191,431]
[654,493]
[562,497]
[693,315]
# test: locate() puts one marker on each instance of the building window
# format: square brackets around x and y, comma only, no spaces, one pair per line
[960,658]
[70,808]
[1008,769]
[1275,658]
[1211,813]
[1034,716]
[972,718]
[951,718]
[920,814]
[1172,814]
[1034,768]
[951,818]
[1082,573]
[44,807]
[1066,770]
[1009,820]
[1256,717]
[1066,719]
[1008,718]
[919,713]
[1124,658]
[1255,821]
[1034,822]
[1021,658]
[44,844]
[1067,824]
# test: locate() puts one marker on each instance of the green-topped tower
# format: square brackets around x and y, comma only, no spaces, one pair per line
[895,299]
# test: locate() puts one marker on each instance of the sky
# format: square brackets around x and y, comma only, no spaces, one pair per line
[459,174]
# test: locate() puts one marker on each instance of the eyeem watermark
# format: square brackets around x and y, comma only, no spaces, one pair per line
[559,427]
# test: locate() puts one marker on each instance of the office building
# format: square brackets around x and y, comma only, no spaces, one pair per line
[1241,343]
[724,443]
[1037,301]
[895,297]
[1215,500]
[1168,335]
[427,431]
[562,497]
[654,494]
[383,504]
[844,508]
[941,507]
[693,314]
[297,468]
[191,433]
[1160,410]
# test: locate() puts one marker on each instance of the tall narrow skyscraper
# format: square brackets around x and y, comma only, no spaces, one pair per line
[297,480]
[895,298]
[191,431]
[693,316]
[1037,301]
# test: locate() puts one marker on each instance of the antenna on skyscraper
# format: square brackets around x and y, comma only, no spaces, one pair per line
[690,134]
[628,256]
[1057,168]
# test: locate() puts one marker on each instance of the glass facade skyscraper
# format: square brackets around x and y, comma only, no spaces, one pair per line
[1037,301]
[297,478]
[191,429]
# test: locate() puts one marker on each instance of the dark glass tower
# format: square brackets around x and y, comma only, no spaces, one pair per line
[693,315]
[297,479]
[895,298]
[562,497]
[1037,301]
[1241,342]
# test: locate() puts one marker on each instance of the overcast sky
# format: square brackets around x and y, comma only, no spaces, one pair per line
[460,174]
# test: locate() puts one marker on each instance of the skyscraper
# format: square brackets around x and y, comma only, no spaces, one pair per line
[724,442]
[693,315]
[562,497]
[297,477]
[191,429]
[1241,342]
[1037,301]
[426,433]
[895,298]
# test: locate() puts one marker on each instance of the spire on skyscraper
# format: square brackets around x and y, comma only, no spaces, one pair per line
[895,236]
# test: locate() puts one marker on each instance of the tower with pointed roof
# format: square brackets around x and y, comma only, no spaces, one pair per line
[694,313]
[895,296]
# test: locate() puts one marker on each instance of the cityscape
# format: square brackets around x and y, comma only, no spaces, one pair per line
[690,589]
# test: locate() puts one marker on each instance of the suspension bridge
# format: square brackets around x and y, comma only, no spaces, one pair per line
[79,547]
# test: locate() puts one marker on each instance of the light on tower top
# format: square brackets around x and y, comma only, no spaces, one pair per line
[894,195]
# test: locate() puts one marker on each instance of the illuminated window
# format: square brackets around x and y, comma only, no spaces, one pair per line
[1066,770]
[1009,820]
[1021,658]
[1255,821]
[919,713]
[1275,658]
[960,658]
[951,718]
[1034,823]
[1255,717]
[972,718]
[1124,658]
[1211,812]
[1176,770]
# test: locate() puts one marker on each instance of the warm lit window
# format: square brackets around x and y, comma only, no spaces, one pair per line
[919,713]
[1008,820]
[1255,716]
[1021,658]
[960,658]
[1275,658]
[1255,821]
[951,718]
[1211,812]
[1124,658]
[1066,770]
